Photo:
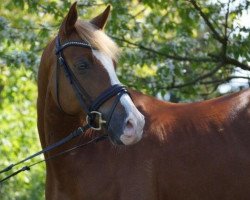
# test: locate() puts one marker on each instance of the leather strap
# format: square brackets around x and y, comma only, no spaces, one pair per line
[72,135]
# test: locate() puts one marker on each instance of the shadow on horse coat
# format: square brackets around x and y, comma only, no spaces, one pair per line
[187,151]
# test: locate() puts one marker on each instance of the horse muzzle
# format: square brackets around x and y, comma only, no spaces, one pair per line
[133,129]
[127,124]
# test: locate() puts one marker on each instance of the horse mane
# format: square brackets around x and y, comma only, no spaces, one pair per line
[97,39]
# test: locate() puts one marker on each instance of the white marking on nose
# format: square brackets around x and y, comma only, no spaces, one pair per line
[133,132]
[125,99]
[136,119]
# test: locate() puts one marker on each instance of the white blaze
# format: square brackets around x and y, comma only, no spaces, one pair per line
[132,112]
[108,65]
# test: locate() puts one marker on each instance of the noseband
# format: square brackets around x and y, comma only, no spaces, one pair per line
[93,115]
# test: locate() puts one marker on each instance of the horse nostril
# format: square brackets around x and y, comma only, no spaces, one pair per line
[132,131]
[129,124]
[129,128]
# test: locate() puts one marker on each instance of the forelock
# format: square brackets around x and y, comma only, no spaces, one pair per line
[97,39]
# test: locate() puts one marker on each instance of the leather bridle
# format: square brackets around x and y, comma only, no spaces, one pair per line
[94,117]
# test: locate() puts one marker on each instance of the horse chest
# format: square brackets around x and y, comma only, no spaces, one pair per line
[115,175]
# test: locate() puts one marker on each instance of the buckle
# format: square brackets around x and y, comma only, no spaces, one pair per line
[61,60]
[100,120]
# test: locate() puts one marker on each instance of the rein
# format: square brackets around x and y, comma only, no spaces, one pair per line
[93,115]
[72,135]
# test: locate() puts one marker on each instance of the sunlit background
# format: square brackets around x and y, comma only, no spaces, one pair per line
[168,51]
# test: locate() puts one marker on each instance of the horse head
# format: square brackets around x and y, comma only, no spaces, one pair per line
[85,64]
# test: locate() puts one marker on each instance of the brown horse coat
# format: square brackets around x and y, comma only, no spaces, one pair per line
[189,151]
[193,151]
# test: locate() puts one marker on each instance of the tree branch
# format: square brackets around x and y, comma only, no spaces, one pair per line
[213,58]
[226,19]
[216,35]
[227,79]
[224,45]
[138,13]
[173,57]
[89,4]
[198,79]
[235,62]
[218,81]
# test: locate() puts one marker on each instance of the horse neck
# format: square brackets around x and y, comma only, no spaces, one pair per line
[154,111]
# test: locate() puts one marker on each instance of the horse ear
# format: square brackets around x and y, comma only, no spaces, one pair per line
[69,21]
[101,20]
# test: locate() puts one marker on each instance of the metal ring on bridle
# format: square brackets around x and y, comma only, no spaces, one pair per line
[100,120]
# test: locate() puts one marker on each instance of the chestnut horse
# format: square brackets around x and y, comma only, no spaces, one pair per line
[193,151]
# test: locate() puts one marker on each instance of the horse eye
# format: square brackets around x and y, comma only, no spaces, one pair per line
[82,66]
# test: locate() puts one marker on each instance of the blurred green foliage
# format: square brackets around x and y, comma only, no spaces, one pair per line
[18,133]
[178,50]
